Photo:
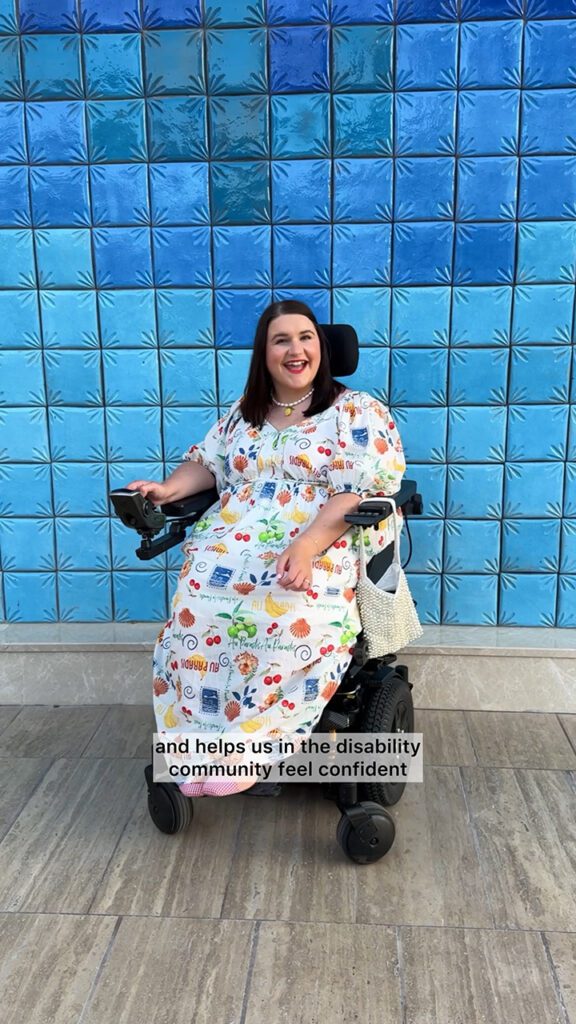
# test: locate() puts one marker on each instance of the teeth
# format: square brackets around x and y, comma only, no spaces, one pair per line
[303,363]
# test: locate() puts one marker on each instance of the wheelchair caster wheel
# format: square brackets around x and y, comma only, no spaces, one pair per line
[365,832]
[169,809]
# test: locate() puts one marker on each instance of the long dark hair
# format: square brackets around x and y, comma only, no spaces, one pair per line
[256,399]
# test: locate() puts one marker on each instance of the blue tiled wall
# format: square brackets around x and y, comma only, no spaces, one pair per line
[168,168]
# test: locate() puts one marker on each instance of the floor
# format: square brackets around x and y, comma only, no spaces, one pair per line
[255,913]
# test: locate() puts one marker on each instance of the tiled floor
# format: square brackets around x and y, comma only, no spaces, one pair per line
[254,914]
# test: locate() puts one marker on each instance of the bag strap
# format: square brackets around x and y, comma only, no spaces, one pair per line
[396,556]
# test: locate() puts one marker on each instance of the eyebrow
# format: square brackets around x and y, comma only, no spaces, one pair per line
[283,334]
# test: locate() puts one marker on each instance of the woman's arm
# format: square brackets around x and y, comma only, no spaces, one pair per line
[188,478]
[294,565]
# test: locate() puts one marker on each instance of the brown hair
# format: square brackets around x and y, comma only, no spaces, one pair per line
[256,399]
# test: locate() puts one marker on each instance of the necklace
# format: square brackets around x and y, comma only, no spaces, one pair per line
[289,406]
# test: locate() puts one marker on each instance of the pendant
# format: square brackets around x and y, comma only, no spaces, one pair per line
[288,410]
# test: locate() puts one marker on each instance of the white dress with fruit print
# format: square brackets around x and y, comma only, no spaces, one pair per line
[239,651]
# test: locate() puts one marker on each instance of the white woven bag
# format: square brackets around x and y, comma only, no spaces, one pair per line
[387,611]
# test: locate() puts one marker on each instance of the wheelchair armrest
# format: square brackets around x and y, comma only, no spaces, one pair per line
[406,498]
[195,503]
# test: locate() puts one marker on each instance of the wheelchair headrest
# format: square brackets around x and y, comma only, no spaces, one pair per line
[343,346]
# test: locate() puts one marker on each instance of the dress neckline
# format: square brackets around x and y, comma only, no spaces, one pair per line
[309,419]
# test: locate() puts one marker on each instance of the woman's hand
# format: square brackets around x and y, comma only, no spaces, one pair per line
[294,566]
[157,493]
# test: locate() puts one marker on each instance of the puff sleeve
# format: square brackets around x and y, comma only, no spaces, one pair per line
[369,457]
[211,452]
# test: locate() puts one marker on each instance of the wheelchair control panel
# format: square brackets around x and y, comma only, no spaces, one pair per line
[141,515]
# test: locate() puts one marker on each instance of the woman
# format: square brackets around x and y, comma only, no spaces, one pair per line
[264,616]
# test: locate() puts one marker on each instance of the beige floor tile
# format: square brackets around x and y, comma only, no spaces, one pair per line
[173,972]
[18,780]
[123,732]
[287,863]
[446,737]
[526,831]
[184,875]
[562,948]
[55,853]
[55,732]
[8,713]
[432,874]
[569,725]
[49,963]
[524,740]
[462,976]
[315,973]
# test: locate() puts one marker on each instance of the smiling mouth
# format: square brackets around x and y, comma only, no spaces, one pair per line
[296,364]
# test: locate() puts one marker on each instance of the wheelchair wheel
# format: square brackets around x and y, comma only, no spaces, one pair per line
[368,841]
[169,809]
[388,709]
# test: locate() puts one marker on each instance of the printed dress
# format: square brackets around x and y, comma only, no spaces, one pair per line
[239,651]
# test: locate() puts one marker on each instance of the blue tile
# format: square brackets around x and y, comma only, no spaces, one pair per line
[77,434]
[16,259]
[476,9]
[317,298]
[547,187]
[180,387]
[568,542]
[362,125]
[85,596]
[12,142]
[566,601]
[426,441]
[177,128]
[301,256]
[122,257]
[27,544]
[425,123]
[361,254]
[237,315]
[300,125]
[484,254]
[288,72]
[536,432]
[533,489]
[424,188]
[52,68]
[542,314]
[48,16]
[112,65]
[19,319]
[174,62]
[297,11]
[108,15]
[475,492]
[236,60]
[422,253]
[481,316]
[116,130]
[470,599]
[26,490]
[546,252]
[232,372]
[240,192]
[490,54]
[171,13]
[182,256]
[56,132]
[234,12]
[80,489]
[548,121]
[472,547]
[10,69]
[127,318]
[185,317]
[418,377]
[476,434]
[426,10]
[239,127]
[362,58]
[8,17]
[487,188]
[426,57]
[420,316]
[140,596]
[242,256]
[73,378]
[21,378]
[134,433]
[549,8]
[131,378]
[368,309]
[72,550]
[488,122]
[64,258]
[30,597]
[69,319]
[362,189]
[301,190]
[531,545]
[119,194]
[25,435]
[183,426]
[60,196]
[14,202]
[478,376]
[528,599]
[539,373]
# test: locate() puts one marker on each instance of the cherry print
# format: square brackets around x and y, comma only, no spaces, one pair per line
[209,641]
[246,537]
[268,680]
[217,639]
[277,678]
[237,536]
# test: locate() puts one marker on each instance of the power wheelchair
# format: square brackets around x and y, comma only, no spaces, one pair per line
[375,693]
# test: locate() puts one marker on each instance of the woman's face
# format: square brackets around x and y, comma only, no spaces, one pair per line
[292,339]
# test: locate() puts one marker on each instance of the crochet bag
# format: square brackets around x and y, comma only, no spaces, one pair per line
[387,611]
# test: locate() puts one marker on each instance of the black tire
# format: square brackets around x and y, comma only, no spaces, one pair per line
[357,849]
[389,708]
[169,809]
